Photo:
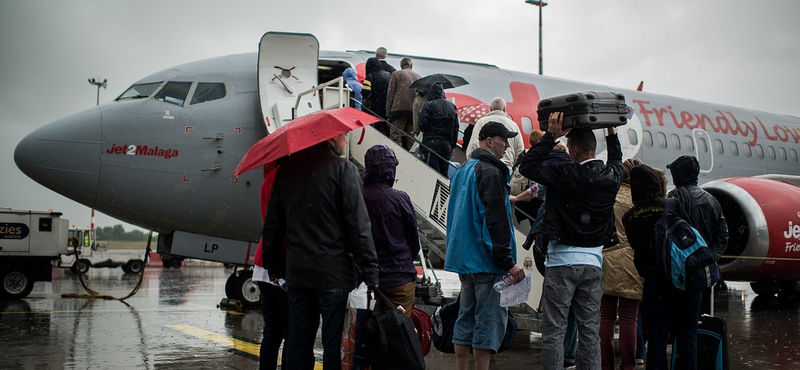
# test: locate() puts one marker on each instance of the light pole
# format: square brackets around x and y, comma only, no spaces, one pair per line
[104,84]
[540,4]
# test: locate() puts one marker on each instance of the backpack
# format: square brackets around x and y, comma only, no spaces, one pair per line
[444,320]
[682,255]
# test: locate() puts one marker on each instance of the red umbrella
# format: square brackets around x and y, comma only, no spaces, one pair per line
[472,113]
[301,133]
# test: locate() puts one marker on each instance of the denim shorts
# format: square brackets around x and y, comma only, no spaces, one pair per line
[481,321]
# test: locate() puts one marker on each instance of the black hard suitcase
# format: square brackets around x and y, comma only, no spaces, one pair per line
[593,110]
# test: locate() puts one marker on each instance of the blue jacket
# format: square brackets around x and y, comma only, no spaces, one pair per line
[350,79]
[480,229]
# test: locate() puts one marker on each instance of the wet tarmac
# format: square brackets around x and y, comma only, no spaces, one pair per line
[173,323]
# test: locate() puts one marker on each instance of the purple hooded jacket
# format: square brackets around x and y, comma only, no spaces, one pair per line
[394,223]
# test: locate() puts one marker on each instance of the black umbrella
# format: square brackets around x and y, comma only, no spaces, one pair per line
[447,81]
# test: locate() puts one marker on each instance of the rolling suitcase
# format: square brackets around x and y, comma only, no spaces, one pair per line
[712,343]
[593,110]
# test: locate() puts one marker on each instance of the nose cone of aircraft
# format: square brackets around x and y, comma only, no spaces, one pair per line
[64,156]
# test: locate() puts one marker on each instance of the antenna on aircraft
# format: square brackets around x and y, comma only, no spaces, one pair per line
[104,84]
[641,86]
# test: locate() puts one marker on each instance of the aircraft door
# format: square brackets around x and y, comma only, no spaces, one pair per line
[287,66]
[703,150]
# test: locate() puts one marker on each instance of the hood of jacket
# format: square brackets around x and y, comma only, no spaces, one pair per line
[485,155]
[372,65]
[646,185]
[436,92]
[381,165]
[684,170]
[349,76]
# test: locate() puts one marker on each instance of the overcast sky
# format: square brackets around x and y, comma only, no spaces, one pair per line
[734,52]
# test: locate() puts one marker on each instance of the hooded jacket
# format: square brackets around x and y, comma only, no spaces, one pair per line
[316,204]
[705,212]
[351,80]
[438,119]
[375,87]
[580,197]
[647,193]
[480,230]
[391,213]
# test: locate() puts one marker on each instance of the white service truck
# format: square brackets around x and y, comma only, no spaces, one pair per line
[93,253]
[29,243]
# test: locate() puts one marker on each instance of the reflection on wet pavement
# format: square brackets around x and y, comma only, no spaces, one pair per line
[173,322]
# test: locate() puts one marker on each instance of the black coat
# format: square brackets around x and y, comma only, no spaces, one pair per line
[375,87]
[438,119]
[316,204]
[580,197]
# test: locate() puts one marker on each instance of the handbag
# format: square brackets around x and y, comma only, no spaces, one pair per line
[392,342]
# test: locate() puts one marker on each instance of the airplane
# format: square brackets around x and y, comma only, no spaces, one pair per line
[160,156]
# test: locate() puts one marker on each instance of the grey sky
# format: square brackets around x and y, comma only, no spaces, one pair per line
[734,52]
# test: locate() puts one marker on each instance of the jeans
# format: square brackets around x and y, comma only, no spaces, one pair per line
[627,309]
[640,343]
[668,309]
[481,321]
[275,308]
[576,287]
[305,307]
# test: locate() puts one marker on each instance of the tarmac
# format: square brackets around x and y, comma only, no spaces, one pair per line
[173,322]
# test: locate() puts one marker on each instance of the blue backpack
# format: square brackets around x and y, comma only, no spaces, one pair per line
[682,256]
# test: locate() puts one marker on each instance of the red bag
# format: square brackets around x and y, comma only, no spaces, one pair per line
[422,323]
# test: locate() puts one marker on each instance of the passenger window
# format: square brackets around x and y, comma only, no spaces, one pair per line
[207,91]
[702,145]
[632,138]
[662,140]
[648,138]
[688,143]
[676,142]
[527,125]
[174,92]
[759,151]
[793,154]
[771,152]
[746,149]
[734,149]
[719,147]
[139,91]
[782,153]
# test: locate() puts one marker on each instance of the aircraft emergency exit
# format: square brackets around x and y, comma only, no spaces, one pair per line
[160,156]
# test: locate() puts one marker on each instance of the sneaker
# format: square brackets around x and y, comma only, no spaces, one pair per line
[640,361]
[569,365]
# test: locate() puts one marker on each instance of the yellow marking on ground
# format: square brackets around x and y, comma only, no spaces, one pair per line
[239,345]
[108,310]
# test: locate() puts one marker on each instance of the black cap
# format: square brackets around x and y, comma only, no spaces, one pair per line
[492,128]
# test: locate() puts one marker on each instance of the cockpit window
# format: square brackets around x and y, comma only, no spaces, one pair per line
[139,91]
[174,92]
[207,91]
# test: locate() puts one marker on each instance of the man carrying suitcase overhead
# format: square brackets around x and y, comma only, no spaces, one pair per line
[579,222]
[481,246]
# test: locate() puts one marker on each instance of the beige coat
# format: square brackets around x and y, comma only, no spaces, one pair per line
[399,97]
[620,277]
[516,145]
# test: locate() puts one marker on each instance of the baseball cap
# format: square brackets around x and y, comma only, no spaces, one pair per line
[492,128]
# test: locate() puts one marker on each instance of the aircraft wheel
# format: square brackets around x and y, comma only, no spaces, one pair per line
[135,266]
[176,263]
[765,287]
[790,289]
[83,264]
[17,282]
[241,286]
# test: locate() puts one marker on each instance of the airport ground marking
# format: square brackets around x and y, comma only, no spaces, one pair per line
[237,344]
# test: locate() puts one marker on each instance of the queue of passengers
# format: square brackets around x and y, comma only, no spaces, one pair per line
[594,224]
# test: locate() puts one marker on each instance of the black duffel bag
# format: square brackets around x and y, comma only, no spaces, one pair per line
[391,340]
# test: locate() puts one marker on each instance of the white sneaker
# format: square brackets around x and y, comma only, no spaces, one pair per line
[640,361]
